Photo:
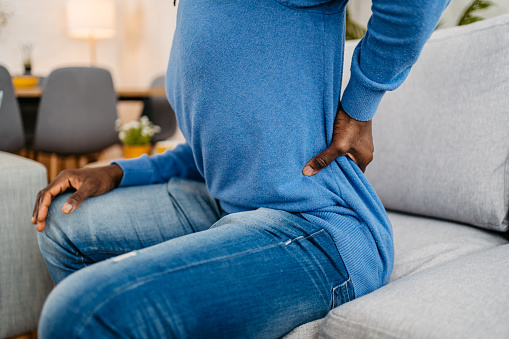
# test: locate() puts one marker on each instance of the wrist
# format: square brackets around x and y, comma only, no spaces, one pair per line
[116,173]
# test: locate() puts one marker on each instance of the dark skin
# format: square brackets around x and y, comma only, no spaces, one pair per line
[87,182]
[350,137]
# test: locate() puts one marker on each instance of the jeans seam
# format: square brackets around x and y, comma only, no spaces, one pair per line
[129,286]
[341,286]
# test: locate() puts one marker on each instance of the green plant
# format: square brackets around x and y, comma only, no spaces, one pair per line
[136,132]
[468,16]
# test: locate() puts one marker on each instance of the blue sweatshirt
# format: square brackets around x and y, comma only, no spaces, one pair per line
[256,85]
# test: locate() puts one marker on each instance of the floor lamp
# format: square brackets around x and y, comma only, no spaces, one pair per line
[92,20]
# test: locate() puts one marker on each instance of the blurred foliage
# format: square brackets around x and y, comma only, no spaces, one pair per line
[468,16]
[354,31]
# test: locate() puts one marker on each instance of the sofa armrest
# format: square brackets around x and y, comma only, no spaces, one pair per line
[464,298]
[24,280]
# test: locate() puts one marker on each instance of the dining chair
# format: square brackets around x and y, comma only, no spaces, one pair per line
[12,136]
[76,114]
[158,110]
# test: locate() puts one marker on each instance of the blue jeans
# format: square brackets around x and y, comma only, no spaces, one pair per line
[159,261]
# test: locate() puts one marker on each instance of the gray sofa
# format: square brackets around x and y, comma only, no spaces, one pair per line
[24,280]
[441,169]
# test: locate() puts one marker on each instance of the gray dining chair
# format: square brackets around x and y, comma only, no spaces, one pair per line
[77,113]
[12,136]
[158,110]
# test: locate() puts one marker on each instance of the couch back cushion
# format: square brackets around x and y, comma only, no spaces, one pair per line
[442,138]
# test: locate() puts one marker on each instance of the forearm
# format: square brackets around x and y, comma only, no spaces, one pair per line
[397,32]
[159,168]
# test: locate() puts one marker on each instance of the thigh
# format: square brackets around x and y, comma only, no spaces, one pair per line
[131,218]
[253,274]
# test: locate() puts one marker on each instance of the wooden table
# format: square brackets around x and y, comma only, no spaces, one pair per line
[122,93]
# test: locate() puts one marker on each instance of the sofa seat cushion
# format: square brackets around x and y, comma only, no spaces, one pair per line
[421,243]
[463,298]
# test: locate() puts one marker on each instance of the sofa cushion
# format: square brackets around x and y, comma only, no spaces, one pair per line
[464,298]
[442,138]
[421,243]
[309,330]
[24,279]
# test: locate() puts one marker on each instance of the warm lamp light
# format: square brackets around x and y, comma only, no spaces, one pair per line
[91,19]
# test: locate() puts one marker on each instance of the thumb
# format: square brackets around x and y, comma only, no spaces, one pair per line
[75,200]
[322,160]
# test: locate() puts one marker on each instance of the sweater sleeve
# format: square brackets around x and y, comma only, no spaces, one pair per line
[145,170]
[397,31]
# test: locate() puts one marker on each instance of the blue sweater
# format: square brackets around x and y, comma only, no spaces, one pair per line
[255,86]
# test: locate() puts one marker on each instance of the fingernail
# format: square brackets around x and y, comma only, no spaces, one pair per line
[33,220]
[308,170]
[67,208]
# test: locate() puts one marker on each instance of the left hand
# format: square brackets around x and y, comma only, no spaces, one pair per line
[349,137]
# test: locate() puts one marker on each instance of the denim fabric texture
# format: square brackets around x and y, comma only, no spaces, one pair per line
[159,261]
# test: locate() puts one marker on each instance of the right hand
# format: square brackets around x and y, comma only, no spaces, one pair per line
[88,182]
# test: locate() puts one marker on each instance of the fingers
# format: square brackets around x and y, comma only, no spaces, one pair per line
[44,198]
[323,159]
[76,199]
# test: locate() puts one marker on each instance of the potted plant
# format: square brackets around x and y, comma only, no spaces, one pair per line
[27,58]
[136,136]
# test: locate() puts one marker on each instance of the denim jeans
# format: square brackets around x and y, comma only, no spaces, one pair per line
[160,261]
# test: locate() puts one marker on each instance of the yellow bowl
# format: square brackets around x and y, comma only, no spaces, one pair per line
[25,81]
[164,145]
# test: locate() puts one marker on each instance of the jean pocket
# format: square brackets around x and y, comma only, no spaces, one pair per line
[342,293]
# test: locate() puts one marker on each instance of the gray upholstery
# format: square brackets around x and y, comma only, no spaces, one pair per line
[309,330]
[77,112]
[441,139]
[464,298]
[12,136]
[24,280]
[158,110]
[421,243]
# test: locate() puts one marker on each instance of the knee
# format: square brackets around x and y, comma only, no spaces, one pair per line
[64,313]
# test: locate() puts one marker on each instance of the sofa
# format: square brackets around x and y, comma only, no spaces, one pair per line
[441,169]
[24,279]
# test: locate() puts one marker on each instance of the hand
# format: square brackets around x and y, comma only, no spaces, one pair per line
[349,137]
[87,182]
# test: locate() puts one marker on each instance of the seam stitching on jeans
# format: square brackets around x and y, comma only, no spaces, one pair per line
[336,288]
[124,288]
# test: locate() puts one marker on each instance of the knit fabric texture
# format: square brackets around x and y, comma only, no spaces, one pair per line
[255,86]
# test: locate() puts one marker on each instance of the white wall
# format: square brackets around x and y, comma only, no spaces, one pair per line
[137,54]
[360,10]
[140,50]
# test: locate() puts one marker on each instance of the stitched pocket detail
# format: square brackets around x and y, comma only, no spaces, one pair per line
[342,293]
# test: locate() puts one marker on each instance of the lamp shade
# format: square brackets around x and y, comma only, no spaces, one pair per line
[91,19]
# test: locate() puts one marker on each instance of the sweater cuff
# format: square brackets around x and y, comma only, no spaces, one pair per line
[137,171]
[360,102]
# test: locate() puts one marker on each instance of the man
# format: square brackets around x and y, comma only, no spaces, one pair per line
[273,162]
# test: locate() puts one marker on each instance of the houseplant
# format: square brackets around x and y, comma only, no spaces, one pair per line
[136,136]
